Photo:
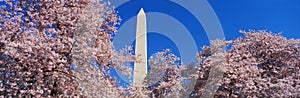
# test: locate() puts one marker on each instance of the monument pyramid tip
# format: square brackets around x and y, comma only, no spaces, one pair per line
[142,12]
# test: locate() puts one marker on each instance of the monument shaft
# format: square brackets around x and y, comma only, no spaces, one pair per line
[140,69]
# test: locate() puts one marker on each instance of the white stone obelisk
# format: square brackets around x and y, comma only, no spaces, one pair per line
[140,69]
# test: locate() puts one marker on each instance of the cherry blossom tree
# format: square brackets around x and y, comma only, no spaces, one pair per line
[38,44]
[258,65]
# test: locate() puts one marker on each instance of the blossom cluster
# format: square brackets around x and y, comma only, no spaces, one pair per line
[258,65]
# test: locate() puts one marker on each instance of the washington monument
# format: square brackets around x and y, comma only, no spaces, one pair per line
[140,69]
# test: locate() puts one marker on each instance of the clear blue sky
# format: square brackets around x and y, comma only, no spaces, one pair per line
[273,15]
